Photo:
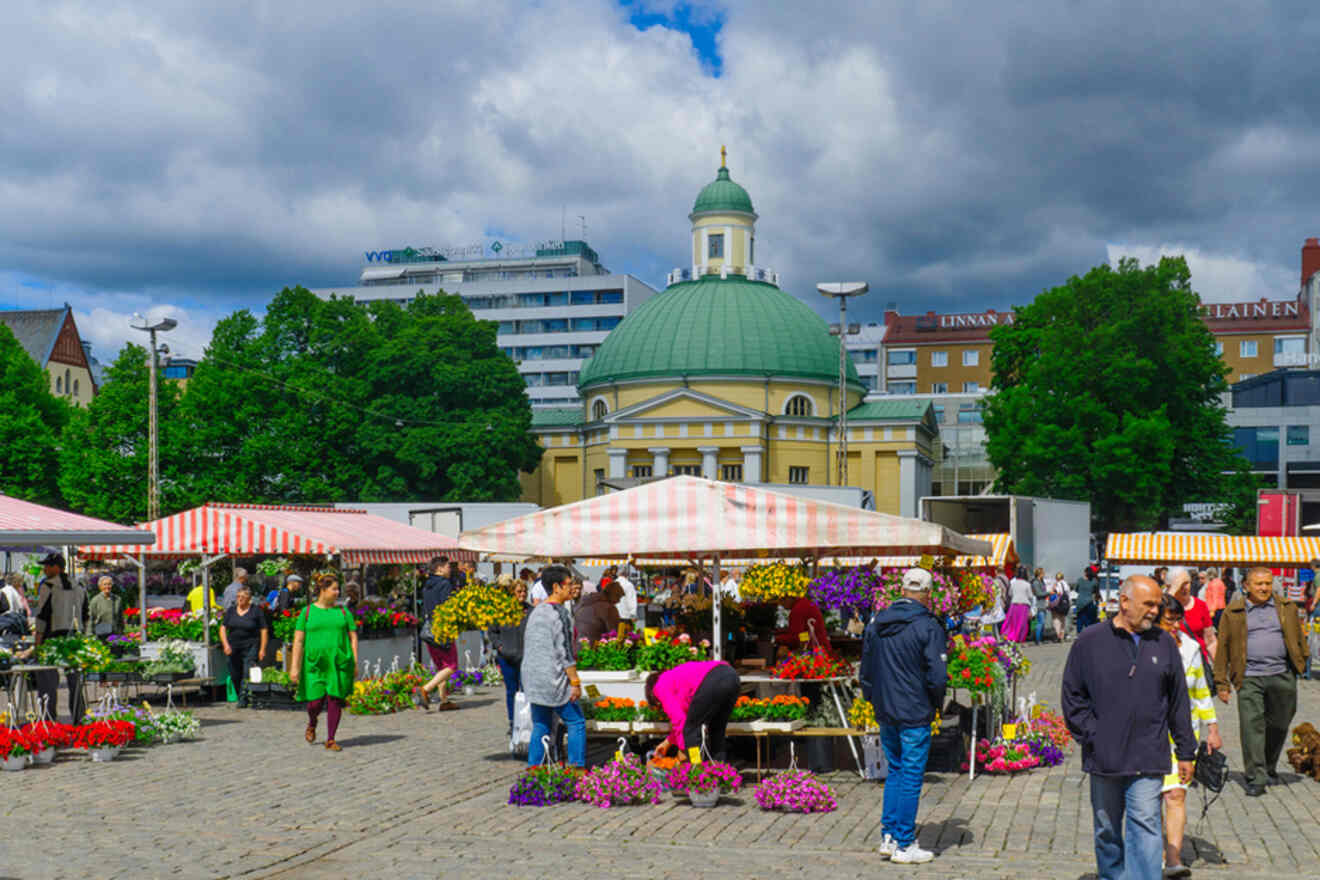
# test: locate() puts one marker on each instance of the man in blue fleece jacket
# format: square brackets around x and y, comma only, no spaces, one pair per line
[1124,695]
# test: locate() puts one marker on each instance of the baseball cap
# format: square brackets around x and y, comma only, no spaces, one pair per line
[294,577]
[916,579]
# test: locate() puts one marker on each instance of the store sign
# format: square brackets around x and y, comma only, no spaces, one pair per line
[964,321]
[1252,310]
[463,252]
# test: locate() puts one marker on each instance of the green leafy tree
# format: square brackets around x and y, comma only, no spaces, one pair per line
[332,400]
[30,430]
[1107,388]
[104,447]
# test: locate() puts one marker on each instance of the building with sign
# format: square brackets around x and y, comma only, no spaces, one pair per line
[726,376]
[554,302]
[51,338]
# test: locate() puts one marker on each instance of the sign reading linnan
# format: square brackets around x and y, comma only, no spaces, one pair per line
[1262,309]
[985,319]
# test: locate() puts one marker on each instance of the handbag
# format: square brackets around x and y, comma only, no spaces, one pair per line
[1211,771]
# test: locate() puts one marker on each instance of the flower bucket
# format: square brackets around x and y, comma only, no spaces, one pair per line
[45,756]
[103,755]
[168,738]
[14,762]
[704,798]
[469,690]
[614,726]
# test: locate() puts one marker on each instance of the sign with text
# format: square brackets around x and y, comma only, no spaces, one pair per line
[1253,310]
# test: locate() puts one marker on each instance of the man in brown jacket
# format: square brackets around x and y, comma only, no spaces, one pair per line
[1261,652]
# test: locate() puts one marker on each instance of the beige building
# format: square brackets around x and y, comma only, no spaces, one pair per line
[726,376]
[51,337]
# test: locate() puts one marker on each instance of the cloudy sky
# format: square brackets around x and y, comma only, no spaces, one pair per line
[193,158]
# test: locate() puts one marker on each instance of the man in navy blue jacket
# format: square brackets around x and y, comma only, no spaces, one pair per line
[903,675]
[1124,695]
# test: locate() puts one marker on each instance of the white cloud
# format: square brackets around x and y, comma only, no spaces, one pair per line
[1219,277]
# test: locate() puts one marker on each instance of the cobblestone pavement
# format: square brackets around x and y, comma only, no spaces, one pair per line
[416,795]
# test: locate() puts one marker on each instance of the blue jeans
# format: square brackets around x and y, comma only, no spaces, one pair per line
[1086,615]
[1131,804]
[906,750]
[1040,625]
[512,682]
[571,715]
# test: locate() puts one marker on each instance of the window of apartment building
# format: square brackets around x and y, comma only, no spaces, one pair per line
[1290,345]
[868,382]
[1299,435]
[862,355]
[640,471]
[715,246]
[971,357]
[799,475]
[939,358]
[599,410]
[969,413]
[687,470]
[1219,348]
[798,405]
[902,387]
[939,387]
[938,410]
[971,387]
[1247,348]
[731,473]
[901,357]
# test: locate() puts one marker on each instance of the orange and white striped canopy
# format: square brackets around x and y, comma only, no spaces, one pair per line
[356,536]
[1172,548]
[1002,552]
[690,517]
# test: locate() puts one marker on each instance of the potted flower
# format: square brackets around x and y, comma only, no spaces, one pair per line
[621,782]
[104,739]
[15,748]
[704,783]
[468,680]
[613,714]
[795,791]
[650,719]
[783,713]
[544,785]
[177,725]
[814,665]
[608,660]
[746,710]
[45,737]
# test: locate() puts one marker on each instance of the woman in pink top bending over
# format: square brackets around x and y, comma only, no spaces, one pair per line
[694,694]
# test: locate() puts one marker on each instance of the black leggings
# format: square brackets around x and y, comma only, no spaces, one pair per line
[711,705]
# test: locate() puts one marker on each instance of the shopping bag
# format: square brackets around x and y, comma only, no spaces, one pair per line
[874,764]
[521,736]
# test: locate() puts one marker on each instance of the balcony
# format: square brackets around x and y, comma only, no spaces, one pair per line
[901,371]
[1290,359]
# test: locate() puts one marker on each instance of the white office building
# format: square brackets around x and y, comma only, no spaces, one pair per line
[555,303]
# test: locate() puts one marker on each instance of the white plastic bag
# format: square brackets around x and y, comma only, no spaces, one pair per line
[521,737]
[875,765]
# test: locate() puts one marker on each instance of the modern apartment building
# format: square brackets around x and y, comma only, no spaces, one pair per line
[554,302]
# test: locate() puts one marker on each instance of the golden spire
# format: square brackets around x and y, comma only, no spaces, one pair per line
[723,160]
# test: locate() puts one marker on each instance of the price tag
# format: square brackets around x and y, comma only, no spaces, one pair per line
[694,754]
[593,692]
[803,637]
[618,754]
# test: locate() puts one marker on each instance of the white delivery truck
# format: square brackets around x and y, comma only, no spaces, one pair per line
[1049,533]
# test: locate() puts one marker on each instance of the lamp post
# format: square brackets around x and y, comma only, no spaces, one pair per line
[153,456]
[842,290]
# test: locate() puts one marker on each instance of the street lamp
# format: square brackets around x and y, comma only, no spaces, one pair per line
[841,290]
[153,456]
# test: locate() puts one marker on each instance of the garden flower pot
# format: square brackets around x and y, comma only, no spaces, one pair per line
[103,755]
[704,799]
[15,762]
[740,727]
[650,727]
[780,726]
[469,690]
[45,756]
[614,726]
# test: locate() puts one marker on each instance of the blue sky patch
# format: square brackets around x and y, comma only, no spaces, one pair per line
[702,26]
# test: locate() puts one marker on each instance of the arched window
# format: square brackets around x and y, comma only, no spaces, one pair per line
[67,386]
[799,405]
[59,384]
[75,387]
[599,410]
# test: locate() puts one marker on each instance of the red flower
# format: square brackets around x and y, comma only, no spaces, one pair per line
[967,673]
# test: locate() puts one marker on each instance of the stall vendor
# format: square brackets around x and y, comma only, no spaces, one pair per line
[692,695]
[804,623]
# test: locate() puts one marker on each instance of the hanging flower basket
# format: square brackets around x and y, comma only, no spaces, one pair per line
[103,755]
[45,756]
[14,762]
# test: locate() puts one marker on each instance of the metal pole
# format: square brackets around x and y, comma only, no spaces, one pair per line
[142,591]
[153,464]
[717,640]
[843,391]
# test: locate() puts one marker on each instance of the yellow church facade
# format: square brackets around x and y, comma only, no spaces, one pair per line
[723,375]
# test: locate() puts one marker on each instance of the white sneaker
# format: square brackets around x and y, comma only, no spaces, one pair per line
[912,855]
[888,847]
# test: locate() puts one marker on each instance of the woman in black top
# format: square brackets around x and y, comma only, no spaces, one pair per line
[244,633]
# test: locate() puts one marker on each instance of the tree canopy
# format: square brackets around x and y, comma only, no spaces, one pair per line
[30,430]
[1107,388]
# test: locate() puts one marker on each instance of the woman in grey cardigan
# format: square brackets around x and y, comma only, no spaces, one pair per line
[549,670]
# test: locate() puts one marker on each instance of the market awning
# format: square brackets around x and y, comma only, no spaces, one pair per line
[1172,548]
[1002,544]
[356,536]
[24,524]
[690,517]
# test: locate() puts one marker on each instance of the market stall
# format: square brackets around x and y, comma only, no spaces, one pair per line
[216,531]
[1158,548]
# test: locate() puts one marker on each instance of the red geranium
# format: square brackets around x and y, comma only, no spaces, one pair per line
[14,743]
[104,734]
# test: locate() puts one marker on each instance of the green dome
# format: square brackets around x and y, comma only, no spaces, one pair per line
[722,194]
[719,327]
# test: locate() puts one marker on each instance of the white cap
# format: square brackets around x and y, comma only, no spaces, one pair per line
[916,579]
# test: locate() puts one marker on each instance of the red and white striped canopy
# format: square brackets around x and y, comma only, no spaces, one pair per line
[686,517]
[1196,548]
[355,536]
[24,524]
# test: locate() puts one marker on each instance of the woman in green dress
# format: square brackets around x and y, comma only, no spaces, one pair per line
[325,658]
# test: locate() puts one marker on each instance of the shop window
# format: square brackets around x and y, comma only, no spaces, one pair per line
[1298,435]
[799,475]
